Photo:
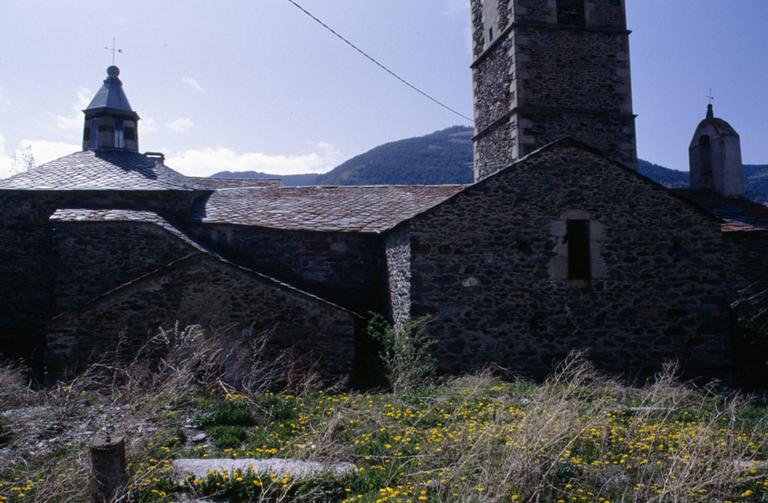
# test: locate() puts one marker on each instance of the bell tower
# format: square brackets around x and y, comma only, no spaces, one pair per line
[715,157]
[544,69]
[110,122]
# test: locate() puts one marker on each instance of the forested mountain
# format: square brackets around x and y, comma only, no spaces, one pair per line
[288,180]
[439,158]
[445,157]
[668,177]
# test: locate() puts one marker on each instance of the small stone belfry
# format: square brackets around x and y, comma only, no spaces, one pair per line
[715,157]
[545,69]
[110,122]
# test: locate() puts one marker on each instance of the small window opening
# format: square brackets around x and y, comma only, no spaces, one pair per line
[490,34]
[579,256]
[119,141]
[93,133]
[87,133]
[570,13]
[129,133]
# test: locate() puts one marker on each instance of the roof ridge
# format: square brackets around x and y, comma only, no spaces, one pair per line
[565,141]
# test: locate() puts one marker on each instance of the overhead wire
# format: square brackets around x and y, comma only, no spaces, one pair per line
[378,63]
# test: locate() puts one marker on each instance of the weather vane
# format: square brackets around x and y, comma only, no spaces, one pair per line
[114,50]
[710,97]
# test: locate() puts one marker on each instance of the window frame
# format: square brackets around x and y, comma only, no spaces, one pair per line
[571,13]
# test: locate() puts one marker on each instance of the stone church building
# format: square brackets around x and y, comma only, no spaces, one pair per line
[559,245]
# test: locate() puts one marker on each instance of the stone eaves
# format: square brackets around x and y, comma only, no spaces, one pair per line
[126,216]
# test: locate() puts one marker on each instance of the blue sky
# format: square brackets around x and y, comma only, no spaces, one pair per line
[237,84]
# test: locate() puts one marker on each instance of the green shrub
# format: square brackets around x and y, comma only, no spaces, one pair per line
[228,437]
[277,408]
[406,352]
[225,414]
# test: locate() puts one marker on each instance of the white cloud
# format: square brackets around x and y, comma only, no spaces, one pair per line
[42,151]
[7,167]
[74,123]
[194,84]
[46,151]
[148,125]
[210,160]
[182,125]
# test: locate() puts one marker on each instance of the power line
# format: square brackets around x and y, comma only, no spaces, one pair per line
[377,63]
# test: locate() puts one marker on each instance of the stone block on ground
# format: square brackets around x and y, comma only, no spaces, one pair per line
[293,468]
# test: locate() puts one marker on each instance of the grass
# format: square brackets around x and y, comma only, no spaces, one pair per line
[578,437]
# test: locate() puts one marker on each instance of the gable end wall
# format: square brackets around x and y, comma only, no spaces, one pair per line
[482,269]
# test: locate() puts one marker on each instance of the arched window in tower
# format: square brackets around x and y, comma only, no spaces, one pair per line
[571,13]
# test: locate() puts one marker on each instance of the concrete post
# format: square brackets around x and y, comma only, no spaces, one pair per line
[109,479]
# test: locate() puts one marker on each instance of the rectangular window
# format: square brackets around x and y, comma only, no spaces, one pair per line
[119,141]
[95,133]
[579,256]
[570,13]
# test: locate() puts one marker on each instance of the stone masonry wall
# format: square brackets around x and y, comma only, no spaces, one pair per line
[235,303]
[613,135]
[399,275]
[542,82]
[26,255]
[751,257]
[482,269]
[345,268]
[95,257]
[573,69]
[494,150]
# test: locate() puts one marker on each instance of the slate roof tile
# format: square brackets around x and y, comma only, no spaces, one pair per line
[103,170]
[739,213]
[326,209]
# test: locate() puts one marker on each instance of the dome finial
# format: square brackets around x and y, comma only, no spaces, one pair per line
[113,71]
[710,110]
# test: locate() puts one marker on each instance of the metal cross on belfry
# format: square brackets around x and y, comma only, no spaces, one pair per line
[114,51]
[710,97]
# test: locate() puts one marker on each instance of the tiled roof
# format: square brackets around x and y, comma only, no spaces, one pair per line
[103,215]
[739,213]
[331,209]
[103,170]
